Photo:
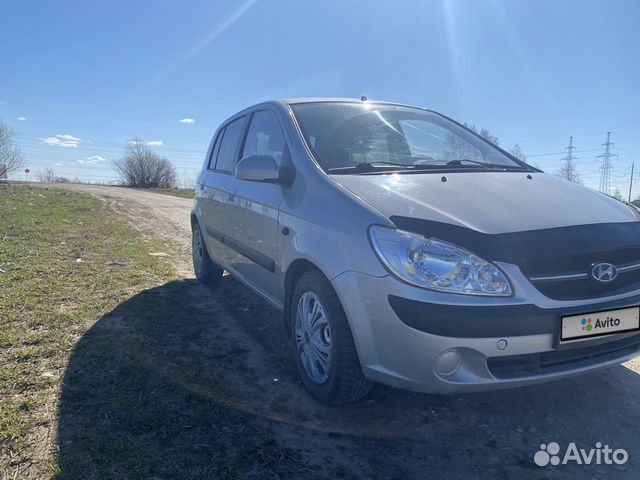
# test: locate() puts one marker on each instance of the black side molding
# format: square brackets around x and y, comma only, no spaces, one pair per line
[244,250]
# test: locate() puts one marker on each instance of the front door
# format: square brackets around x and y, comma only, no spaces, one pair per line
[254,222]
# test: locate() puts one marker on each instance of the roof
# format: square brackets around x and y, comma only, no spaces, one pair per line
[331,99]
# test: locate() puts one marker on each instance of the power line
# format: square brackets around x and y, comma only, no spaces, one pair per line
[39,143]
[606,167]
[549,154]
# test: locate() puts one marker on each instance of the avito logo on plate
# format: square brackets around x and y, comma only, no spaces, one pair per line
[600,323]
[588,324]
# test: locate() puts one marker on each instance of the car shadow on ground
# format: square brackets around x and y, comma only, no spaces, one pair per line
[186,381]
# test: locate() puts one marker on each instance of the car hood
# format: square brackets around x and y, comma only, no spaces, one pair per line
[488,202]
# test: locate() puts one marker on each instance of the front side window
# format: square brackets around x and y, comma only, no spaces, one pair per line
[228,151]
[362,137]
[265,137]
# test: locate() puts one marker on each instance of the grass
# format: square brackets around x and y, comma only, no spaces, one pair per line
[102,357]
[174,192]
[64,262]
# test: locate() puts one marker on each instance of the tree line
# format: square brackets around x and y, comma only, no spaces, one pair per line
[11,158]
[142,167]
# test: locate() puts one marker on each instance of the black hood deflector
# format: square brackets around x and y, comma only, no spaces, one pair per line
[520,247]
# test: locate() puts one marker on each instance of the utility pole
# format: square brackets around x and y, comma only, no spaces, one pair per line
[606,167]
[633,166]
[568,169]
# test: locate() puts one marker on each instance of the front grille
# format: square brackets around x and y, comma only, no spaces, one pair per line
[588,287]
[516,366]
[579,263]
[583,288]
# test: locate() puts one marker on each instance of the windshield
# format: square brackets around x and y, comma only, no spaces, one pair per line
[363,137]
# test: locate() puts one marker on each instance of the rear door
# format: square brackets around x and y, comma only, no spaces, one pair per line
[216,200]
[254,223]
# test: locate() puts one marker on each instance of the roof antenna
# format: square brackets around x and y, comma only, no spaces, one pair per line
[363,98]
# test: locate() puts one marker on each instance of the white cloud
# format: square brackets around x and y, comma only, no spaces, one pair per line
[69,138]
[187,121]
[67,141]
[93,160]
[21,119]
[152,143]
[56,164]
[56,142]
[51,141]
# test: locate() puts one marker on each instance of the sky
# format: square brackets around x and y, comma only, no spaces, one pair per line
[79,79]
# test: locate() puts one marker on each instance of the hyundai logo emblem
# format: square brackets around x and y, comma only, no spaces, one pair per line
[604,272]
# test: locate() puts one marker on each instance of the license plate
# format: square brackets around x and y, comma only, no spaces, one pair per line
[600,323]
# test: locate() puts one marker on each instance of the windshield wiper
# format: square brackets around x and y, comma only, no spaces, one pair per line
[382,166]
[487,166]
[370,167]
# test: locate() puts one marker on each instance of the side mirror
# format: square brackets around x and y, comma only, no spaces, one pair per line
[258,168]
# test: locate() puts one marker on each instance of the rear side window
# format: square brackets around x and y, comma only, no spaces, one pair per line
[214,151]
[265,137]
[228,151]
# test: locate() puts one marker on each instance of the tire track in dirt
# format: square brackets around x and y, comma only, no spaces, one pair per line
[392,433]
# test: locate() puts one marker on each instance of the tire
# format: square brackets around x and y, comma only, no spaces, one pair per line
[334,377]
[206,271]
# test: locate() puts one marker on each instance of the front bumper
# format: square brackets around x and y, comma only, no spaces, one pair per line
[433,342]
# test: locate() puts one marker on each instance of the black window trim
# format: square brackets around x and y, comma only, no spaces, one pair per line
[214,153]
[223,130]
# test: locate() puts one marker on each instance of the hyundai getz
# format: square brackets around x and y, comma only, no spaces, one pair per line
[405,249]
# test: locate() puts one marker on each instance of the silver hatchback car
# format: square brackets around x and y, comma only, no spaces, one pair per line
[403,248]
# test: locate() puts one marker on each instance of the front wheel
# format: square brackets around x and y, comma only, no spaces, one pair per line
[323,346]
[206,271]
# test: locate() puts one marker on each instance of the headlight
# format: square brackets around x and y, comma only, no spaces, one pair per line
[437,265]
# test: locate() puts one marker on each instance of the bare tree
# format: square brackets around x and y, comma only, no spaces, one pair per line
[10,155]
[484,132]
[569,171]
[517,152]
[458,148]
[141,167]
[617,194]
[48,175]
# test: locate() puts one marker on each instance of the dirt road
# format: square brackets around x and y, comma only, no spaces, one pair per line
[243,365]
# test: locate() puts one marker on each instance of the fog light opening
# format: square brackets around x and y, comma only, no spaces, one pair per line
[448,363]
